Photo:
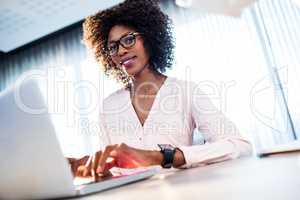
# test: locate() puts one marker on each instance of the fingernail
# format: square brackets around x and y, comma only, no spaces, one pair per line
[85,172]
[99,170]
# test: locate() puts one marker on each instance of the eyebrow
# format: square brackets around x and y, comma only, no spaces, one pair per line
[111,41]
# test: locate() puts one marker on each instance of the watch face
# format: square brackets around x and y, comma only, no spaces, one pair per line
[166,146]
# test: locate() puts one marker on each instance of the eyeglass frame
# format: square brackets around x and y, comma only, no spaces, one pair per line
[118,43]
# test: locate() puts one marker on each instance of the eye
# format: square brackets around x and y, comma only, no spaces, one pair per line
[128,40]
[112,46]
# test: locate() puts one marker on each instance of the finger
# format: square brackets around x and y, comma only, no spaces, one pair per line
[95,163]
[75,163]
[104,157]
[80,170]
[88,167]
[107,167]
[104,177]
[110,164]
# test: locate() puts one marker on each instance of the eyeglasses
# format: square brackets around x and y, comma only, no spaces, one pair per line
[127,41]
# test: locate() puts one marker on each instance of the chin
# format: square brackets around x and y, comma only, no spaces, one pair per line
[133,71]
[130,71]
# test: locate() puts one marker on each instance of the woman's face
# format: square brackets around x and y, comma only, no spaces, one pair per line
[127,49]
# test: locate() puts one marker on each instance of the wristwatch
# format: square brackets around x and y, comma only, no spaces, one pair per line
[168,152]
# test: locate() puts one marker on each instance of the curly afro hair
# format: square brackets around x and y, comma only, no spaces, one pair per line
[144,16]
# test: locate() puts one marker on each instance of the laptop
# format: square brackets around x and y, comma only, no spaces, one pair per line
[289,147]
[32,163]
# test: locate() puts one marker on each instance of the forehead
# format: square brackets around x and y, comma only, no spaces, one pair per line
[118,31]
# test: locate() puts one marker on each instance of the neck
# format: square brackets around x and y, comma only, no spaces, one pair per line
[148,80]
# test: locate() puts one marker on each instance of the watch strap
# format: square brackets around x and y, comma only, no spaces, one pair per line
[168,152]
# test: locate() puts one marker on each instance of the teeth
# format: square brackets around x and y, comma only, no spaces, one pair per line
[125,61]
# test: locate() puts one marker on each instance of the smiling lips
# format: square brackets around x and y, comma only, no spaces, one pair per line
[127,62]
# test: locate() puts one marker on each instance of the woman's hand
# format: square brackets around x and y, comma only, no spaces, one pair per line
[120,155]
[75,163]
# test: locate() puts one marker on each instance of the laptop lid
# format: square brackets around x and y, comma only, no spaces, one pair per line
[32,163]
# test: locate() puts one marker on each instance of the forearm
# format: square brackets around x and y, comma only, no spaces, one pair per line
[179,159]
[218,151]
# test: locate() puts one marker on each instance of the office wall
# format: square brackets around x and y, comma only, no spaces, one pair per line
[60,49]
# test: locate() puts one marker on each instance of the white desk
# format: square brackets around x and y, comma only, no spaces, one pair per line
[276,177]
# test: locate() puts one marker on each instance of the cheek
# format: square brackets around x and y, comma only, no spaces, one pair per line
[142,51]
[115,60]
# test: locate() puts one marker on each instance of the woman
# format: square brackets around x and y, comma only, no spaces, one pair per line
[133,42]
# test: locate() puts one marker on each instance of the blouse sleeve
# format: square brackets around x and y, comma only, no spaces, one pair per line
[222,138]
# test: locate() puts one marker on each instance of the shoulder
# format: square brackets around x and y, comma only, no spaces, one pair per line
[183,85]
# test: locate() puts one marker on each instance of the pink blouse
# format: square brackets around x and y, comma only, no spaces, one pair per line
[179,107]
